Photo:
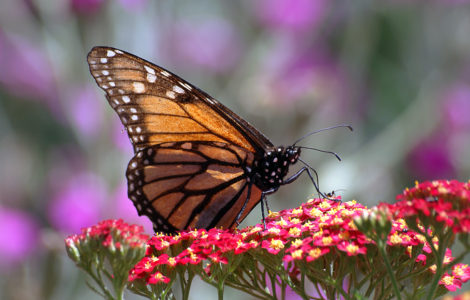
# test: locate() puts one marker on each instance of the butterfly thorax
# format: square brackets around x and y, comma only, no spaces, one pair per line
[270,170]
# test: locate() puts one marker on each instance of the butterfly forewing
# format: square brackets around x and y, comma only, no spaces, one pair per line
[191,185]
[157,106]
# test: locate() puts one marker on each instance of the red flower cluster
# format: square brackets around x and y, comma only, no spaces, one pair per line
[305,242]
[112,234]
[306,233]
[442,201]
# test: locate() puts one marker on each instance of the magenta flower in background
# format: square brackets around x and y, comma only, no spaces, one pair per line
[213,44]
[78,203]
[133,4]
[86,6]
[18,236]
[293,73]
[84,110]
[292,15]
[25,70]
[430,160]
[123,208]
[456,106]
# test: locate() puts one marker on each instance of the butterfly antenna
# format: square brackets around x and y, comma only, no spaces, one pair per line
[324,129]
[324,151]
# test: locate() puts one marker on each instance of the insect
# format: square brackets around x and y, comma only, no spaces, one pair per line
[196,164]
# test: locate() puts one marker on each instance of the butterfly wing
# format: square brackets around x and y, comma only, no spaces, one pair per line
[191,152]
[191,185]
[157,106]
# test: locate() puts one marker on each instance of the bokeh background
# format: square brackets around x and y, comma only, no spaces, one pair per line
[398,71]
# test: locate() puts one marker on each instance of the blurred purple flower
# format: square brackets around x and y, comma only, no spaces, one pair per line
[124,209]
[295,74]
[78,203]
[86,6]
[213,44]
[84,110]
[25,69]
[18,236]
[133,4]
[456,104]
[430,160]
[293,15]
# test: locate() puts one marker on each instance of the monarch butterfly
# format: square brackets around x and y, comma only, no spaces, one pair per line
[196,164]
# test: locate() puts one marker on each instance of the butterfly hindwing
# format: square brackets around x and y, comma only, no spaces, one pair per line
[157,106]
[191,185]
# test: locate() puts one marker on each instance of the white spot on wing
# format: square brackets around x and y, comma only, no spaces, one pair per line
[126,99]
[105,72]
[110,53]
[133,110]
[210,100]
[134,117]
[118,51]
[170,94]
[92,61]
[151,77]
[139,87]
[103,60]
[150,70]
[165,73]
[178,89]
[111,83]
[186,86]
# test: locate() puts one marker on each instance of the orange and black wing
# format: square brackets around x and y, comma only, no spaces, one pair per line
[192,185]
[157,106]
[191,152]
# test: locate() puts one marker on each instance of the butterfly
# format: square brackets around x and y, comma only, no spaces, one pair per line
[197,164]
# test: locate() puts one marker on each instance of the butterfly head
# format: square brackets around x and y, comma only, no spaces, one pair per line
[292,154]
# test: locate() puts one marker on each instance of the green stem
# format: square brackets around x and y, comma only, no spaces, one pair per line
[381,245]
[99,281]
[220,290]
[440,255]
[186,284]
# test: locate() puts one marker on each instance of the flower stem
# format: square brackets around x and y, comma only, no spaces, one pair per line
[220,291]
[381,245]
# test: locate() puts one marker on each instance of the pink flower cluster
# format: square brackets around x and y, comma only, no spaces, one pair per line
[112,234]
[303,235]
[443,201]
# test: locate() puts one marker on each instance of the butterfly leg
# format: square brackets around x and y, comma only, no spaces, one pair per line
[263,199]
[265,202]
